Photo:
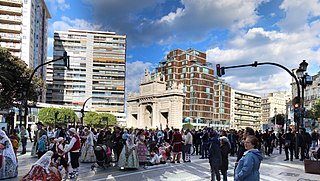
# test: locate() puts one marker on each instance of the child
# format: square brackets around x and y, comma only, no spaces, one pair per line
[162,153]
[62,160]
[155,160]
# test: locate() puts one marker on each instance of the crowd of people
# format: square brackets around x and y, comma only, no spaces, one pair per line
[58,149]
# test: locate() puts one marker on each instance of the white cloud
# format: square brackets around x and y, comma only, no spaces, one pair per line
[55,4]
[135,74]
[66,23]
[257,44]
[298,13]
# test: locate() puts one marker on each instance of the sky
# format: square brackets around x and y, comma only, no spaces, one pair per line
[230,32]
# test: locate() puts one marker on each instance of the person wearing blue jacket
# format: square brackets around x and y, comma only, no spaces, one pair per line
[249,165]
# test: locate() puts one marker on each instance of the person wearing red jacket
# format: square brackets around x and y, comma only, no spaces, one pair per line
[74,149]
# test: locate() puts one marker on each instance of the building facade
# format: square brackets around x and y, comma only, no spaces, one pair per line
[274,103]
[312,92]
[11,26]
[97,71]
[246,110]
[23,30]
[156,106]
[202,103]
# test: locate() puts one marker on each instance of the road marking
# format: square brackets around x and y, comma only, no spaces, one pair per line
[144,171]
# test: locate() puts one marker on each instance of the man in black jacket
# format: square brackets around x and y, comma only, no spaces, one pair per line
[205,144]
[288,144]
[215,158]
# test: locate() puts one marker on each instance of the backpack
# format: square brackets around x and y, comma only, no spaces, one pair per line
[15,143]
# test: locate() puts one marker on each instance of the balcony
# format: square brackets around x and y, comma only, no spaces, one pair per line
[15,3]
[5,37]
[12,47]
[10,10]
[7,19]
[10,28]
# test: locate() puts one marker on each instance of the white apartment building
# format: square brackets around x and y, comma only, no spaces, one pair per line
[97,71]
[274,103]
[245,110]
[23,30]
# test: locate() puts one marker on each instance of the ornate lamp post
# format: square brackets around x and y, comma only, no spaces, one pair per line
[302,81]
[275,119]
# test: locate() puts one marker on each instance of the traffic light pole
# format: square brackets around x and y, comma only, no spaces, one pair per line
[255,64]
[65,57]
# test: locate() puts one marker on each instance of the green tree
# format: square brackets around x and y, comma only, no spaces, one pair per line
[91,119]
[315,110]
[68,115]
[280,119]
[47,116]
[309,114]
[112,120]
[14,76]
[187,126]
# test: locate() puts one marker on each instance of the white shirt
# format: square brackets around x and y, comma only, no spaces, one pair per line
[72,142]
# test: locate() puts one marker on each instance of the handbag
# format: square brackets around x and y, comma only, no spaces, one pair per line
[287,143]
[312,166]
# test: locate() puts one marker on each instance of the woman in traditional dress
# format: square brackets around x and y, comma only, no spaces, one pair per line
[128,157]
[42,146]
[142,151]
[87,151]
[44,169]
[8,161]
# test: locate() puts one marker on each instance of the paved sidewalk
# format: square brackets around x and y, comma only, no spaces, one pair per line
[272,169]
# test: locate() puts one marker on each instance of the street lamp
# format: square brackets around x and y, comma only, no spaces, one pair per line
[275,118]
[302,81]
[303,65]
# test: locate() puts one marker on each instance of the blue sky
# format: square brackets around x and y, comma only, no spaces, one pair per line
[231,32]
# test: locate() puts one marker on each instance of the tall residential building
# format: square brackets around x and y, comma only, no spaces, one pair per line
[274,103]
[23,30]
[246,110]
[202,105]
[97,71]
[11,25]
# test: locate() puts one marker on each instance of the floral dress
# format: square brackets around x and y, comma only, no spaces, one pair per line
[87,151]
[128,157]
[44,169]
[9,164]
[143,152]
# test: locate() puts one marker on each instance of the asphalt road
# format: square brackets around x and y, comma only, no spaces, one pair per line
[272,168]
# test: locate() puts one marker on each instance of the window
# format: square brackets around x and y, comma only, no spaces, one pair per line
[182,76]
[183,70]
[169,71]
[207,89]
[205,70]
[192,69]
[192,75]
